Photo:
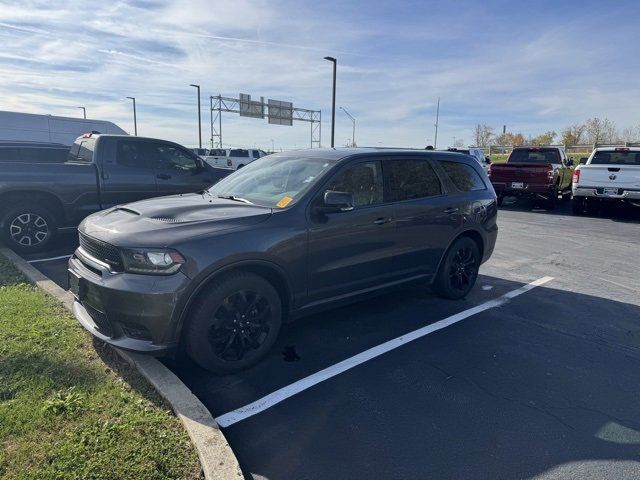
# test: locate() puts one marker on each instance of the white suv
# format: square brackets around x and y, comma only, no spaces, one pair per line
[234,158]
[476,153]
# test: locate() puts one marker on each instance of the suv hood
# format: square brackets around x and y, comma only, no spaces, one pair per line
[165,220]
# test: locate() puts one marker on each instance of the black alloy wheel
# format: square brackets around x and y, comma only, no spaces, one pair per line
[458,269]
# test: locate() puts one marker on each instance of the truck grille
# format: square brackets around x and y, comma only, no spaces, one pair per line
[102,251]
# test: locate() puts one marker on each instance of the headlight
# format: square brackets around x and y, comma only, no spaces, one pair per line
[152,261]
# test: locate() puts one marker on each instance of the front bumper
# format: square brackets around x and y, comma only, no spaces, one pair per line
[129,311]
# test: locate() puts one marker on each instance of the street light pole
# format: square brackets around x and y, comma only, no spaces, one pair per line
[135,120]
[199,116]
[435,140]
[333,104]
[353,136]
[84,112]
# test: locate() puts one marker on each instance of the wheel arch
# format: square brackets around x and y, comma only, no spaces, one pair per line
[469,233]
[46,200]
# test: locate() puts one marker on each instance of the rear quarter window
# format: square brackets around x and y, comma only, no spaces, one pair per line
[535,155]
[463,176]
[82,151]
[619,158]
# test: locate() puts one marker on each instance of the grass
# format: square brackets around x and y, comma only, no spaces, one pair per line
[69,407]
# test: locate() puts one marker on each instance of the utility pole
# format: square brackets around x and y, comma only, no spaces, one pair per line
[333,105]
[135,121]
[353,136]
[84,112]
[199,117]
[435,140]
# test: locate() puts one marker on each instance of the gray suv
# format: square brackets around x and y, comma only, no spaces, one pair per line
[216,273]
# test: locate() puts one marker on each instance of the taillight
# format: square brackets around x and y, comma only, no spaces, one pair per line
[576,176]
[229,164]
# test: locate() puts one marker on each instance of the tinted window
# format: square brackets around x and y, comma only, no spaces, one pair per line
[535,155]
[173,158]
[9,155]
[256,154]
[411,179]
[218,152]
[239,153]
[616,157]
[363,181]
[463,176]
[41,154]
[131,154]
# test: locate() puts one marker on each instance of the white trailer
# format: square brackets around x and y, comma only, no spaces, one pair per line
[16,126]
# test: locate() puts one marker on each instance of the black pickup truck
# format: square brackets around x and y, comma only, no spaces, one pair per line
[39,198]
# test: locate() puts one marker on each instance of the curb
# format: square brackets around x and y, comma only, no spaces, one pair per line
[216,457]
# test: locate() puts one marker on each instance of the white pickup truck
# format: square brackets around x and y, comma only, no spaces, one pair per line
[234,158]
[610,174]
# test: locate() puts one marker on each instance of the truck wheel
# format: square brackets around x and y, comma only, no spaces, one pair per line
[459,269]
[235,324]
[552,201]
[577,205]
[28,228]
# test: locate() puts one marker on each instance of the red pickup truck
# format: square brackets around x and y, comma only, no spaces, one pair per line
[541,173]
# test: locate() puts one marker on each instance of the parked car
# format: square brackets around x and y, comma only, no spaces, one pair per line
[33,152]
[234,158]
[611,174]
[201,152]
[476,153]
[29,127]
[38,197]
[541,173]
[216,274]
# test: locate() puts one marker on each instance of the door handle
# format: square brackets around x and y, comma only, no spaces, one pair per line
[381,221]
[451,210]
[163,176]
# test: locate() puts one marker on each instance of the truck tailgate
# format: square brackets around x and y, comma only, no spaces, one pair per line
[610,176]
[513,171]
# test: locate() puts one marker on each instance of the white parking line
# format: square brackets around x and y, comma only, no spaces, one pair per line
[278,396]
[38,260]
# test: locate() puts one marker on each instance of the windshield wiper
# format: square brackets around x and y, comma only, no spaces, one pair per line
[234,198]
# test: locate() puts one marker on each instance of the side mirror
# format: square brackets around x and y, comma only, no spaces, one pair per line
[336,202]
[583,160]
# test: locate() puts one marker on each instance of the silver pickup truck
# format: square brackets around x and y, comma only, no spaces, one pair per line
[610,174]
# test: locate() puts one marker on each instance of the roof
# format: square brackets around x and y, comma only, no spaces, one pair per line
[613,149]
[344,153]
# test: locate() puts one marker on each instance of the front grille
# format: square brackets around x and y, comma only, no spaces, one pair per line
[102,251]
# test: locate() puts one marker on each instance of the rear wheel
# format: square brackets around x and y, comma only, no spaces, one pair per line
[28,227]
[459,269]
[552,200]
[235,324]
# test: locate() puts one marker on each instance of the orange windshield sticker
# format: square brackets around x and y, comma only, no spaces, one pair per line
[284,202]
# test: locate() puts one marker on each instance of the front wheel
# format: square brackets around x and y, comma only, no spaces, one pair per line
[459,269]
[28,228]
[235,324]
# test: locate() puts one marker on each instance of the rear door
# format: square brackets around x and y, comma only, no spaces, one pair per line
[351,250]
[425,217]
[127,173]
[177,169]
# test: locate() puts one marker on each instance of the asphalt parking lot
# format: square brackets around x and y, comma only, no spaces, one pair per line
[543,385]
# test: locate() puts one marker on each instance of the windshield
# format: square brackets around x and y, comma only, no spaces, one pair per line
[273,181]
[616,158]
[535,155]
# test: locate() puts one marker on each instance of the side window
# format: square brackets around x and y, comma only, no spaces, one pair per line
[409,179]
[256,154]
[363,181]
[173,158]
[131,154]
[463,176]
[239,153]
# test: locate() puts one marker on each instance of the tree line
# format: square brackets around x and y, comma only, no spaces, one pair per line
[594,130]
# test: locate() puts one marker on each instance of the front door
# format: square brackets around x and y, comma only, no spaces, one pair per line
[351,251]
[177,169]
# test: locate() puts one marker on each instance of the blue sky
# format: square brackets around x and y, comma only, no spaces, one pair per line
[534,66]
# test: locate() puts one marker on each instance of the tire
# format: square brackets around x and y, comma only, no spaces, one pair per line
[500,200]
[28,228]
[453,280]
[577,205]
[552,201]
[213,337]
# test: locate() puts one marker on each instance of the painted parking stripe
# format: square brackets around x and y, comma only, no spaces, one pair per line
[282,394]
[38,260]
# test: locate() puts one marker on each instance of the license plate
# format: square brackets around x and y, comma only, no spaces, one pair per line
[517,185]
[610,191]
[76,285]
